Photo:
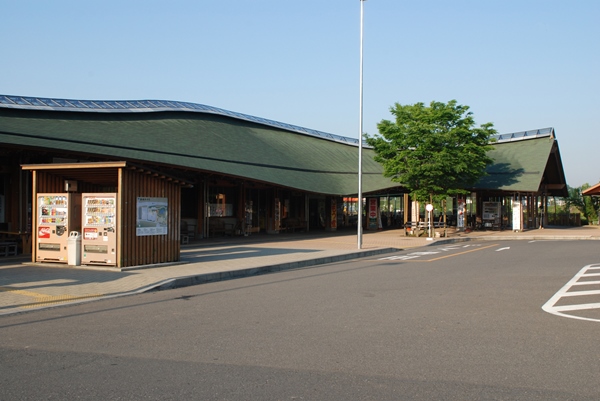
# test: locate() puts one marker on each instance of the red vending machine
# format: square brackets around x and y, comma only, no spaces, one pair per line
[99,236]
[57,215]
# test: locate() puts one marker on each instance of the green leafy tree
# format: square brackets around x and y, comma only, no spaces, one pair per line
[589,204]
[575,199]
[433,150]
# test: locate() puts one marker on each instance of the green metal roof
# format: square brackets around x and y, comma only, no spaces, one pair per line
[205,139]
[202,142]
[526,165]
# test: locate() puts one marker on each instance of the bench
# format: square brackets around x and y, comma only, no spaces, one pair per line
[292,224]
[251,229]
[8,248]
[220,226]
[411,226]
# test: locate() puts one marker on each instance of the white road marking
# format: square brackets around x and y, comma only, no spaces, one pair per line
[564,293]
[414,255]
[580,293]
[502,249]
[587,283]
[401,257]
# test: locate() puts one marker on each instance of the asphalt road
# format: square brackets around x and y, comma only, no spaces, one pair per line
[460,322]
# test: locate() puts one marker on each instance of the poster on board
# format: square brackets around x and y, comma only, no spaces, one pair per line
[373,215]
[517,219]
[152,216]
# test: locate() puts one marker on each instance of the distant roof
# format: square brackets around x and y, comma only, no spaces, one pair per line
[518,136]
[594,190]
[526,163]
[145,106]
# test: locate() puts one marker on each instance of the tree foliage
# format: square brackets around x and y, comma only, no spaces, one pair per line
[433,150]
[589,206]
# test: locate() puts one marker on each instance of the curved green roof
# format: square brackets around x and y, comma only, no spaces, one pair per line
[206,139]
[202,142]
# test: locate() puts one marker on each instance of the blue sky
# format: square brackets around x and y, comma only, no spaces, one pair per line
[521,65]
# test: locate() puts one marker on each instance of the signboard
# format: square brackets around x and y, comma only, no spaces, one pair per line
[44,232]
[517,220]
[373,214]
[90,233]
[460,219]
[152,216]
[491,210]
[333,214]
[277,216]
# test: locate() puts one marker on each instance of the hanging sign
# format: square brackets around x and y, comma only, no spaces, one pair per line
[373,214]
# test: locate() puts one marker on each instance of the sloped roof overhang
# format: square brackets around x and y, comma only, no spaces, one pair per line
[526,162]
[199,142]
[97,173]
[592,191]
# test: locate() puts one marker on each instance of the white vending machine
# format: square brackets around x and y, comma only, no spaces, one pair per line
[57,215]
[99,222]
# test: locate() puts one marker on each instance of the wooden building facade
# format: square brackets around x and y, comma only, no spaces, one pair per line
[131,184]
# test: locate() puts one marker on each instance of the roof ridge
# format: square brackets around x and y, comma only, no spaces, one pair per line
[522,135]
[149,106]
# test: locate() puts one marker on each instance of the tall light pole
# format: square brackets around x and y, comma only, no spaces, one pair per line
[360,133]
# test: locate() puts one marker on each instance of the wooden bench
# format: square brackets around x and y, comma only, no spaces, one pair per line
[293,223]
[8,248]
[412,226]
[219,226]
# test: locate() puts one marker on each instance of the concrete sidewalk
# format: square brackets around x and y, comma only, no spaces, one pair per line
[26,286]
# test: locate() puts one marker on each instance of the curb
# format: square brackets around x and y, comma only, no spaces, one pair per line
[188,281]
[535,238]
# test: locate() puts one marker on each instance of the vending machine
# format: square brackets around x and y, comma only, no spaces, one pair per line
[57,215]
[99,222]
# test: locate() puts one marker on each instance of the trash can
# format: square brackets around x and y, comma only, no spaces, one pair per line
[74,249]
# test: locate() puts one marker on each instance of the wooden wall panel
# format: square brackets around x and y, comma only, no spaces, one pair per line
[151,249]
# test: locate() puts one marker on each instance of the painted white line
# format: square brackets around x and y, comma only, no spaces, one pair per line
[401,257]
[577,307]
[414,255]
[587,283]
[581,293]
[564,292]
[502,249]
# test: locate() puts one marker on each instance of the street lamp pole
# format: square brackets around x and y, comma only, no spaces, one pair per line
[360,133]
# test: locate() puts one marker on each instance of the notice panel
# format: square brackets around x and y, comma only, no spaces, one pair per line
[152,216]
